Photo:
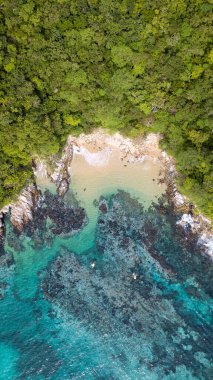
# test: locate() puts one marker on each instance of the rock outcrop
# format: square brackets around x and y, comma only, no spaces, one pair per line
[61,175]
[56,169]
[21,211]
[1,225]
[2,232]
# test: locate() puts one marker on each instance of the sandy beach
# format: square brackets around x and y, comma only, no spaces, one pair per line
[104,164]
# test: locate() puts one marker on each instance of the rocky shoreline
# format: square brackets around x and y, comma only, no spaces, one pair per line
[138,150]
[21,211]
[58,171]
[196,223]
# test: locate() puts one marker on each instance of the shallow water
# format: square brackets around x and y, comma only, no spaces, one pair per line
[127,297]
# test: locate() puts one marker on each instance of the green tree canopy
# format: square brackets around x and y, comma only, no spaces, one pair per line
[135,66]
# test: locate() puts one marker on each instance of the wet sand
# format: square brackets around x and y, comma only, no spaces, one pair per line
[99,173]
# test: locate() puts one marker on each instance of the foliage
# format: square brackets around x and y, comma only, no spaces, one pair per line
[129,65]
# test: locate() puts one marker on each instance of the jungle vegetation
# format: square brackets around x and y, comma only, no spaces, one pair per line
[137,66]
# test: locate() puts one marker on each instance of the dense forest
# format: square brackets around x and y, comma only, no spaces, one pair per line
[136,66]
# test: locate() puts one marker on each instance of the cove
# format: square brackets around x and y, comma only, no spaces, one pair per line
[124,294]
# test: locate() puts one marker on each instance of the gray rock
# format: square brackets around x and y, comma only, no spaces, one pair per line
[63,187]
[21,211]
[1,225]
[61,175]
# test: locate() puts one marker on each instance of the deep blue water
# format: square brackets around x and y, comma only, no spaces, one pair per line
[133,302]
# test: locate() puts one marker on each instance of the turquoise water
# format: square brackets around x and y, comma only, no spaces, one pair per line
[126,297]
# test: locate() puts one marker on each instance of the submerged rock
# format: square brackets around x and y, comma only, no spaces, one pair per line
[37,359]
[144,284]
[103,207]
[6,260]
[52,217]
[6,271]
[66,218]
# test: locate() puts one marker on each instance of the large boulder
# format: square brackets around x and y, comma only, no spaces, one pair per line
[21,212]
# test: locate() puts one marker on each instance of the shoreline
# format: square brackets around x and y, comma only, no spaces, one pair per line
[100,168]
[140,149]
[96,148]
